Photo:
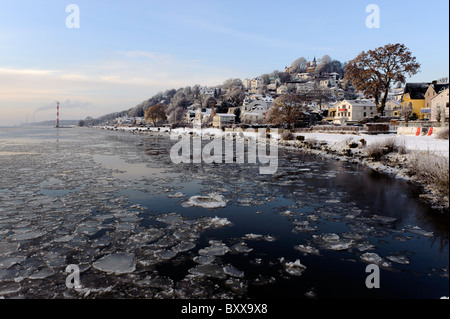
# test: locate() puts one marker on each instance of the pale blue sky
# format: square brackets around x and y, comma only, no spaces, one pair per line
[126,51]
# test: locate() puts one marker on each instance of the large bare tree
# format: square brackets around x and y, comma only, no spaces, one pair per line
[286,109]
[374,71]
[155,114]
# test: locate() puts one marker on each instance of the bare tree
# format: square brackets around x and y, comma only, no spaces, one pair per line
[286,110]
[155,114]
[377,69]
[406,112]
[299,65]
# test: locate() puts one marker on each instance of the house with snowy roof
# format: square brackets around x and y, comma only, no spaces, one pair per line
[354,111]
[414,97]
[433,90]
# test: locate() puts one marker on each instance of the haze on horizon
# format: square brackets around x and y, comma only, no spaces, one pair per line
[123,53]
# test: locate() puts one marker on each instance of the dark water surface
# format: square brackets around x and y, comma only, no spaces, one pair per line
[81,196]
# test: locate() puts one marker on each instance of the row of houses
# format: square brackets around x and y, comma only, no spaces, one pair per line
[428,101]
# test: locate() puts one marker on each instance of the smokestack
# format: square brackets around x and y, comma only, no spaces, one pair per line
[57,115]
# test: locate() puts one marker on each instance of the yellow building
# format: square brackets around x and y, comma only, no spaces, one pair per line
[414,96]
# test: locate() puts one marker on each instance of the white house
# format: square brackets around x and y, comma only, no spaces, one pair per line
[305,87]
[439,106]
[391,107]
[247,84]
[257,83]
[222,120]
[303,76]
[282,90]
[354,111]
[255,112]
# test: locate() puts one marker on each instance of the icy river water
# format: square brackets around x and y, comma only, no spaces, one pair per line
[115,206]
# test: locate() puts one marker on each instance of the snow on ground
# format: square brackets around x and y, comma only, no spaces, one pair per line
[412,143]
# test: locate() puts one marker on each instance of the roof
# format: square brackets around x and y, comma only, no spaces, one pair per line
[416,91]
[440,92]
[359,102]
[226,115]
[439,87]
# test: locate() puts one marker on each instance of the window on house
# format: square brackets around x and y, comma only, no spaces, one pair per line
[365,114]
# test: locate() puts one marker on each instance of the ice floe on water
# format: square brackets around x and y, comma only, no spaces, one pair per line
[216,248]
[332,241]
[117,263]
[307,250]
[211,201]
[295,268]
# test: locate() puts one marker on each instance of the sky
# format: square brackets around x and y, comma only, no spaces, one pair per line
[122,52]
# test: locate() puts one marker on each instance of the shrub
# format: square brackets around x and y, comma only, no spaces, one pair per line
[430,168]
[379,149]
[287,136]
[443,134]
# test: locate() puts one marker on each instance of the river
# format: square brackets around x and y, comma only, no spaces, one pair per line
[114,205]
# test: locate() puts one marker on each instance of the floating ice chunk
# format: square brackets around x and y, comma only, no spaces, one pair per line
[63,239]
[9,288]
[310,294]
[384,219]
[333,242]
[307,249]
[353,235]
[217,222]
[313,217]
[27,236]
[171,219]
[399,259]
[204,259]
[10,261]
[418,231]
[330,237]
[241,248]
[8,248]
[209,270]
[42,274]
[211,201]
[365,246]
[216,249]
[165,254]
[119,263]
[372,258]
[287,213]
[230,270]
[252,236]
[176,195]
[260,281]
[184,247]
[270,238]
[294,268]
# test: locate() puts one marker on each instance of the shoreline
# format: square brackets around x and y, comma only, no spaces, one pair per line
[344,149]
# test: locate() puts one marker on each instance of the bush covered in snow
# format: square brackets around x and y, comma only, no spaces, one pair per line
[443,134]
[287,136]
[379,149]
[431,169]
